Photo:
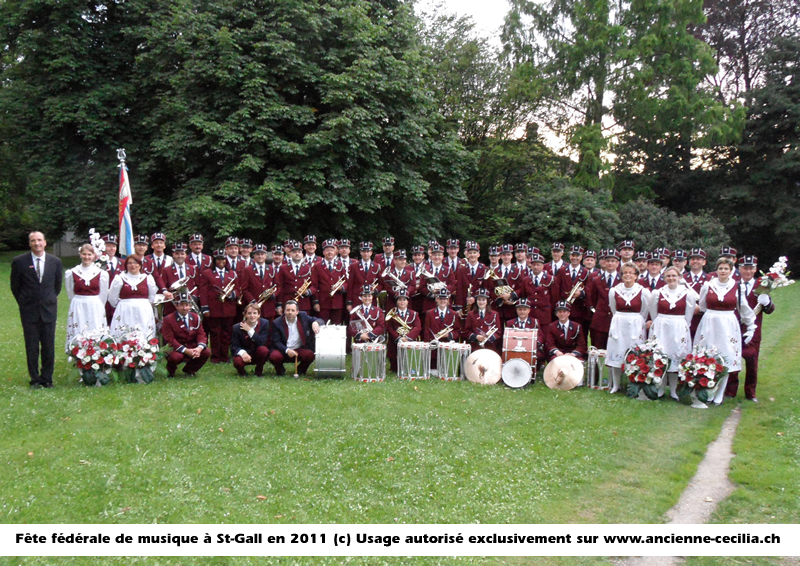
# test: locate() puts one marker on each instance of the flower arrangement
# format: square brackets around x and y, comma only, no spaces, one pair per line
[99,246]
[774,279]
[699,374]
[94,353]
[137,356]
[645,366]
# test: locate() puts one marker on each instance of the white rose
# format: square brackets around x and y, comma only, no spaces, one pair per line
[95,357]
[711,383]
[87,359]
[95,366]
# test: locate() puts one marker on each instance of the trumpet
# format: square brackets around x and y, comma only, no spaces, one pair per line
[398,283]
[265,295]
[338,285]
[226,292]
[441,334]
[492,331]
[303,288]
[576,290]
[404,327]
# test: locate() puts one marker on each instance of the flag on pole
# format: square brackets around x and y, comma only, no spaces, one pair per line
[125,201]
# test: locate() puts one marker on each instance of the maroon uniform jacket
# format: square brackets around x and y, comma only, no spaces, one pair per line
[211,286]
[644,281]
[412,319]
[702,278]
[359,277]
[253,285]
[475,325]
[238,265]
[572,343]
[324,279]
[445,275]
[465,282]
[172,274]
[374,316]
[550,268]
[150,267]
[383,260]
[289,283]
[435,324]
[179,337]
[564,284]
[752,300]
[406,276]
[597,298]
[542,297]
[113,271]
[205,261]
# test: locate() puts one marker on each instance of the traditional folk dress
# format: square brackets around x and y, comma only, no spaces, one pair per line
[629,312]
[671,312]
[133,297]
[87,289]
[719,326]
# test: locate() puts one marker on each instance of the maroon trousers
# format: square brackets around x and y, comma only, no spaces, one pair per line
[257,358]
[750,356]
[336,316]
[219,334]
[277,359]
[192,366]
[599,338]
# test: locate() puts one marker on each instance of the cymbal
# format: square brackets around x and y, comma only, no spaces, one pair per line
[563,373]
[484,366]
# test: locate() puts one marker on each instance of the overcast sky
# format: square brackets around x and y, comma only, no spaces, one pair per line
[487,14]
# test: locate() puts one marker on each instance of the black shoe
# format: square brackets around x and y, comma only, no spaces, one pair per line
[48,385]
[37,386]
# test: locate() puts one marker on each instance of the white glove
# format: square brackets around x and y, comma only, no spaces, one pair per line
[748,336]
[763,300]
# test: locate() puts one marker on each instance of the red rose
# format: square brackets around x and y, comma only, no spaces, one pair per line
[103,345]
[659,372]
[640,378]
[75,351]
[659,364]
[689,357]
[153,341]
[773,276]
[720,368]
[630,358]
[701,371]
[703,382]
[131,365]
[645,369]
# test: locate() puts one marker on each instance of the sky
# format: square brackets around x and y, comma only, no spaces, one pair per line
[487,14]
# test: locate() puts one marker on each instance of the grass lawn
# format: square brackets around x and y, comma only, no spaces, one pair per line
[335,451]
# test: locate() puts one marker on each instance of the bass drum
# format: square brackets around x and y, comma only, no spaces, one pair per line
[517,373]
[330,353]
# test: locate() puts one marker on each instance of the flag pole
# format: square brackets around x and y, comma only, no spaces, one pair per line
[125,201]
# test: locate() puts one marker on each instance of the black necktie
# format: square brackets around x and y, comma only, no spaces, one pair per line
[574,274]
[39,270]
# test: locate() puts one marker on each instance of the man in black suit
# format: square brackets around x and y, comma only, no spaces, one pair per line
[293,336]
[249,341]
[35,283]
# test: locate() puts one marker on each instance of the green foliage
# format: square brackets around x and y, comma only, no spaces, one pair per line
[652,226]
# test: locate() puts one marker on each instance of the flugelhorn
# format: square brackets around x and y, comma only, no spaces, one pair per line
[492,331]
[576,290]
[226,292]
[303,288]
[265,295]
[404,327]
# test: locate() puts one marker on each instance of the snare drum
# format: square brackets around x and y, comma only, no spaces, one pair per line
[330,353]
[413,360]
[369,362]
[450,359]
[520,343]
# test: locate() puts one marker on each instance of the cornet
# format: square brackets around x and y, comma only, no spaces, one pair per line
[265,295]
[226,292]
[575,292]
[303,288]
[492,331]
[338,285]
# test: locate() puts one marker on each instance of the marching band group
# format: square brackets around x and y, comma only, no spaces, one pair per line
[250,304]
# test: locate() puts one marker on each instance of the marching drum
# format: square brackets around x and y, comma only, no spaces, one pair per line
[450,360]
[520,343]
[330,354]
[369,362]
[563,372]
[516,373]
[413,360]
[595,369]
[484,367]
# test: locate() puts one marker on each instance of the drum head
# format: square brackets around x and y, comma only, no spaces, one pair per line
[563,372]
[484,366]
[517,373]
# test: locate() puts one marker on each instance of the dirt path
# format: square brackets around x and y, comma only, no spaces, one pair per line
[708,487]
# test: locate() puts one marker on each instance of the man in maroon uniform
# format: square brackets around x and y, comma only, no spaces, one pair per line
[310,249]
[295,275]
[679,259]
[652,279]
[524,321]
[156,263]
[367,323]
[764,304]
[626,250]
[114,268]
[262,278]
[387,257]
[482,328]
[399,276]
[180,274]
[469,277]
[695,278]
[366,272]
[597,299]
[540,291]
[557,252]
[245,251]
[564,336]
[452,260]
[573,279]
[442,272]
[232,258]
[590,262]
[277,256]
[330,280]
[183,331]
[249,341]
[640,260]
[219,311]
[197,258]
[405,326]
[417,264]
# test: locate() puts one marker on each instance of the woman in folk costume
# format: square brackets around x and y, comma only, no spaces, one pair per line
[87,289]
[719,327]
[628,302]
[132,293]
[671,310]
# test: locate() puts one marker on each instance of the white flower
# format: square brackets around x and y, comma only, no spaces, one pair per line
[95,366]
[95,357]
[690,384]
[87,359]
[70,359]
[109,359]
[711,383]
[91,231]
